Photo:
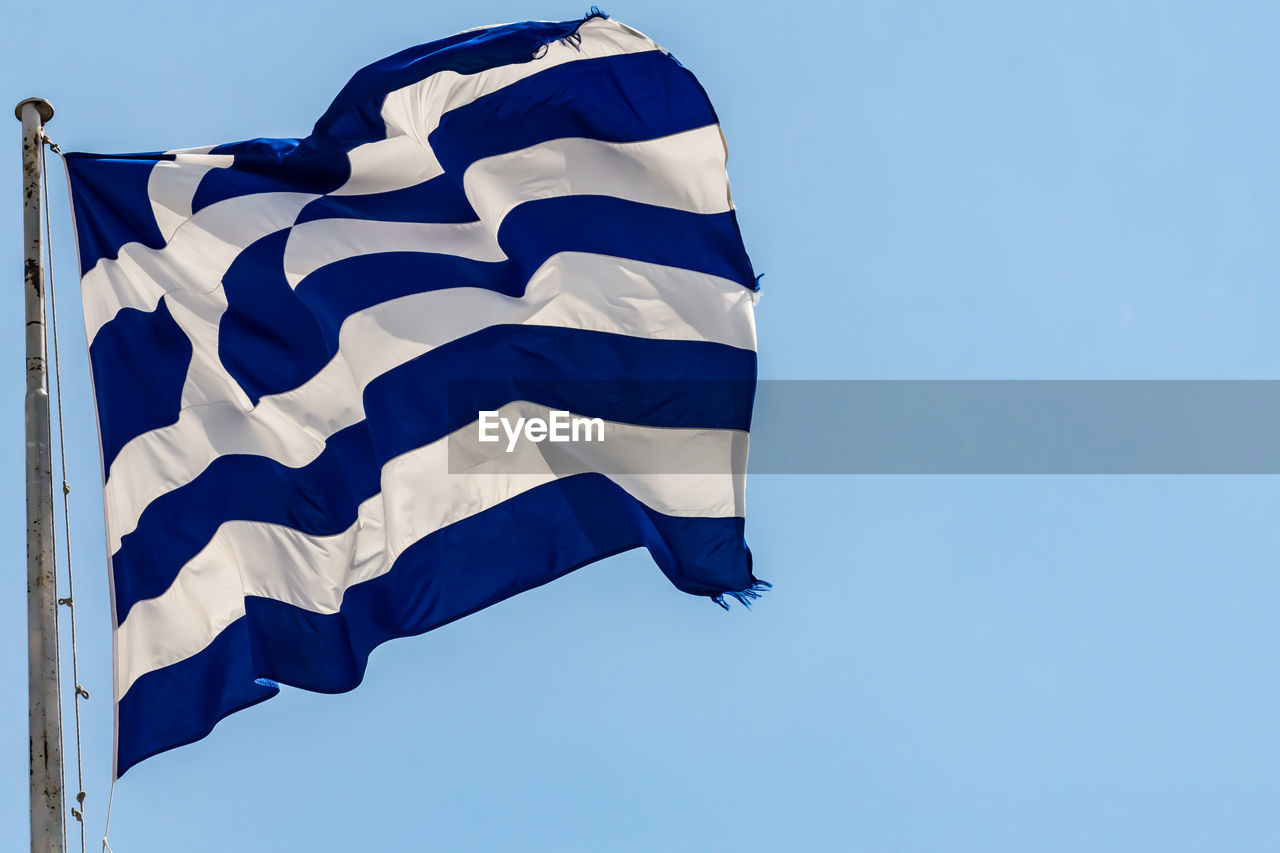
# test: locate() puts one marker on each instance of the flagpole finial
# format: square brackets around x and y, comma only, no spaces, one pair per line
[43,107]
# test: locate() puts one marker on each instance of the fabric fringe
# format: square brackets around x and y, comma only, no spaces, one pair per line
[745,596]
[574,39]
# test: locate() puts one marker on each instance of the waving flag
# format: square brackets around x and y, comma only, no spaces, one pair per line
[296,343]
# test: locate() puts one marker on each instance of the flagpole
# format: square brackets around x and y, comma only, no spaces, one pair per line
[42,605]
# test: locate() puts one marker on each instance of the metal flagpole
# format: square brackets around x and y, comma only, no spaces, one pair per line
[42,606]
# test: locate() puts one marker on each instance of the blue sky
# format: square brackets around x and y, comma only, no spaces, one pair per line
[933,191]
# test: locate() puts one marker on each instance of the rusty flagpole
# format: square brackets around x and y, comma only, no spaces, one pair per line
[42,605]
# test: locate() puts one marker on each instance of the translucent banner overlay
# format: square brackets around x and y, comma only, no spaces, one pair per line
[871,427]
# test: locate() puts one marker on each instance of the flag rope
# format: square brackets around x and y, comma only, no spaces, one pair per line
[106,827]
[77,811]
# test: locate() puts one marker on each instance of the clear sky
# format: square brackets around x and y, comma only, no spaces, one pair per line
[979,190]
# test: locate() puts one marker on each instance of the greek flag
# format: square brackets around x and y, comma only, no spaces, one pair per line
[302,350]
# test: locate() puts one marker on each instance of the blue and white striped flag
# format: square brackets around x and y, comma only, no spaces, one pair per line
[289,336]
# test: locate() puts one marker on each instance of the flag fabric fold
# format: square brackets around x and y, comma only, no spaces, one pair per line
[290,337]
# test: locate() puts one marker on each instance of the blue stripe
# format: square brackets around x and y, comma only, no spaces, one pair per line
[703,242]
[624,98]
[268,339]
[535,538]
[440,199]
[630,380]
[274,165]
[654,383]
[139,363]
[319,498]
[529,235]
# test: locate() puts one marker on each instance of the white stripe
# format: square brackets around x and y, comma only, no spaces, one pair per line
[684,171]
[316,244]
[419,497]
[570,290]
[390,164]
[172,185]
[414,112]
